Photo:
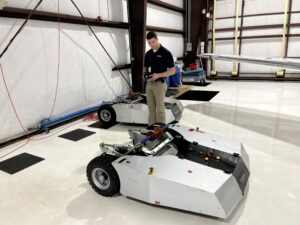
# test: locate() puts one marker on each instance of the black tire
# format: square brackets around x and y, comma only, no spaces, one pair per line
[107,116]
[102,176]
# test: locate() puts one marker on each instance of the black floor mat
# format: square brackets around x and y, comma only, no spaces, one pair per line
[171,92]
[198,84]
[19,162]
[97,125]
[77,135]
[198,95]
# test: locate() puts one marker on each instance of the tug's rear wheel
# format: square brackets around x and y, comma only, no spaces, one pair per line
[107,116]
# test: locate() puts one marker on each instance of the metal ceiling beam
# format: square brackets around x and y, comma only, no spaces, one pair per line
[167,6]
[18,13]
[260,27]
[256,15]
[255,37]
[165,30]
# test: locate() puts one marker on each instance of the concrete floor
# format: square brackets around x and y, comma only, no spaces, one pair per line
[264,116]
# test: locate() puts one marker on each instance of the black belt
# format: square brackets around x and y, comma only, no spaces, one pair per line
[160,79]
[148,75]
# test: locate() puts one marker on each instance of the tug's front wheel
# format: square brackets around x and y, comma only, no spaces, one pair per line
[102,176]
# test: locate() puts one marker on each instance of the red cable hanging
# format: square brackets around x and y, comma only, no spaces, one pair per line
[10,98]
[58,60]
[58,73]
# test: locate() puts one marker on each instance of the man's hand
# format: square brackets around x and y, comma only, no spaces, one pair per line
[154,77]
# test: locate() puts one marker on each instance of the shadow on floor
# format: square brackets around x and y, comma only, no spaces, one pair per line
[95,209]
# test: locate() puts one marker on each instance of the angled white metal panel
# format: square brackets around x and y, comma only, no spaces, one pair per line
[178,183]
[137,113]
[229,195]
[175,170]
[131,113]
[245,157]
[182,197]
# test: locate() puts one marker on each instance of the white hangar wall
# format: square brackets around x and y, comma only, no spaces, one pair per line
[160,17]
[86,77]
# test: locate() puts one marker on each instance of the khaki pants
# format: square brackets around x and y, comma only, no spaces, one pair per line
[155,92]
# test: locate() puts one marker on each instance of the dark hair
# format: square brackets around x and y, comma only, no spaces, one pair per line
[151,34]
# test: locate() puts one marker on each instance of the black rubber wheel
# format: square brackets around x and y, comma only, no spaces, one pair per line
[107,116]
[102,176]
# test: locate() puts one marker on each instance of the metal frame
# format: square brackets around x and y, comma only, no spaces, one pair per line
[213,71]
[167,6]
[288,12]
[165,30]
[17,13]
[263,27]
[241,35]
[285,38]
[234,72]
[256,37]
[259,14]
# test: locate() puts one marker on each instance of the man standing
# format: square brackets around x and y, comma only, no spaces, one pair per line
[160,64]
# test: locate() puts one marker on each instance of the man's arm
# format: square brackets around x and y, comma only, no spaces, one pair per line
[168,73]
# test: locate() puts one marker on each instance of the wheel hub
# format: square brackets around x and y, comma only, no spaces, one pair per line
[100,178]
[105,115]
